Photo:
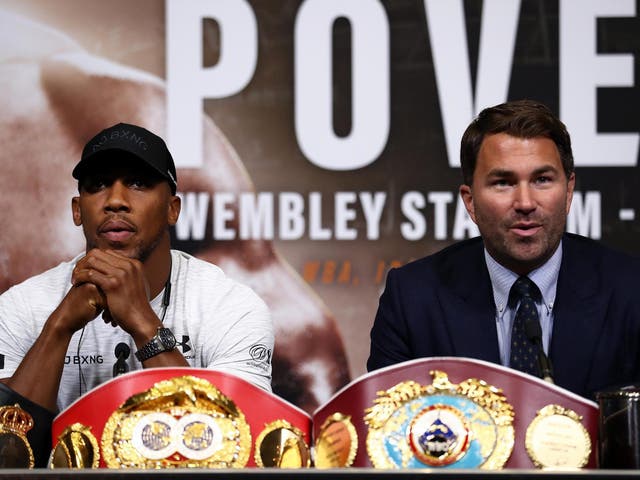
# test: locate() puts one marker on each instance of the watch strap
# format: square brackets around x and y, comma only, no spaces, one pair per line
[163,341]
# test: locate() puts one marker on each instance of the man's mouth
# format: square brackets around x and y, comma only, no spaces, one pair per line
[525,229]
[116,230]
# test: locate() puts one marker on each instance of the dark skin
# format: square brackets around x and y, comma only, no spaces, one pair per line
[125,212]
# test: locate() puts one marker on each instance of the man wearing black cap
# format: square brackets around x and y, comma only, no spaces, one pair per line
[136,141]
[169,308]
[56,95]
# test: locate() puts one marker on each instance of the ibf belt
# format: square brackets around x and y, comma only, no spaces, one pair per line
[465,425]
[180,417]
[181,422]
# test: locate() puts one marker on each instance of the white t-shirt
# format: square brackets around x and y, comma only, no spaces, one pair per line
[219,324]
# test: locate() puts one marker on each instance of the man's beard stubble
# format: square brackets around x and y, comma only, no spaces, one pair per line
[140,251]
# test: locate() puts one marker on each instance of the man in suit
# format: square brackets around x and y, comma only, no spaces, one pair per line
[519,177]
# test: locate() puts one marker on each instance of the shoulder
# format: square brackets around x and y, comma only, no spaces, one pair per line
[38,295]
[208,283]
[596,263]
[577,248]
[448,267]
[460,255]
[193,266]
[54,280]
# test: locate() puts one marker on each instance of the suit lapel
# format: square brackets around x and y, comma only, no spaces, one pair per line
[577,319]
[468,299]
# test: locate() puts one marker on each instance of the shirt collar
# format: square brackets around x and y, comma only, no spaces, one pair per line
[545,277]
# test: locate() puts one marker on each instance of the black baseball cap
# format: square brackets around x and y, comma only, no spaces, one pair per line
[134,140]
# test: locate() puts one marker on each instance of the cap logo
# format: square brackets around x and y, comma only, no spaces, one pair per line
[122,134]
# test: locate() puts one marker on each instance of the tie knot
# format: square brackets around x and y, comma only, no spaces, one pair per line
[524,287]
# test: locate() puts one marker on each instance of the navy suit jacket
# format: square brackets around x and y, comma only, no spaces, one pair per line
[442,305]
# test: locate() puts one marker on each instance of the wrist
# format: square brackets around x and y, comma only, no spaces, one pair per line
[145,333]
[59,327]
[162,341]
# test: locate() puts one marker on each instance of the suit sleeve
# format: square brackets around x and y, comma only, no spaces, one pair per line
[390,334]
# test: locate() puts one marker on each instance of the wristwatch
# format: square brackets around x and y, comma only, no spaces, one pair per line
[163,341]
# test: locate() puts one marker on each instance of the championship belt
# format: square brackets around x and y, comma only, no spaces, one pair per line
[183,421]
[15,450]
[25,431]
[454,412]
[177,418]
[469,425]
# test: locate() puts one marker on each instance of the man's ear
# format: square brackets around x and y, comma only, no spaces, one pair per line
[467,197]
[174,209]
[75,209]
[571,183]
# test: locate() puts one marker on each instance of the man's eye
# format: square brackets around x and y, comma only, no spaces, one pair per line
[95,184]
[543,179]
[500,182]
[138,183]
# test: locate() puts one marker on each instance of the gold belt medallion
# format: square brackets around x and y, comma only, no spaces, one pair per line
[556,438]
[337,442]
[182,422]
[76,447]
[282,445]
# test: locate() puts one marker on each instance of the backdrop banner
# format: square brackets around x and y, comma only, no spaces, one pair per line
[316,141]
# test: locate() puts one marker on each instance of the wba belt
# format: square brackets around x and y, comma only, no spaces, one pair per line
[454,413]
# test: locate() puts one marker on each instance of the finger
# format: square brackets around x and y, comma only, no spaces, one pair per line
[108,263]
[97,306]
[92,295]
[113,257]
[105,264]
[106,317]
[83,269]
[93,277]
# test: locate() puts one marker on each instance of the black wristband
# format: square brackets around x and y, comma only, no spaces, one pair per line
[40,435]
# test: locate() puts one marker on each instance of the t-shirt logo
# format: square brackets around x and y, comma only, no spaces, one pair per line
[185,344]
[260,353]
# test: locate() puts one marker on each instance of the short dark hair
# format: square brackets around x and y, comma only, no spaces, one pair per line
[518,118]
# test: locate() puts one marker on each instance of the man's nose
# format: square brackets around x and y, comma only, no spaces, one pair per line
[524,198]
[117,197]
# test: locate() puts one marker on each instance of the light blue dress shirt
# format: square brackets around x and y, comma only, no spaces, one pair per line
[502,279]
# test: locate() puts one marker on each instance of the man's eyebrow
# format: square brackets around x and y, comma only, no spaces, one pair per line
[500,172]
[503,172]
[545,169]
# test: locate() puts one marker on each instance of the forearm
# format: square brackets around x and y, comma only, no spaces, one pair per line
[38,375]
[172,358]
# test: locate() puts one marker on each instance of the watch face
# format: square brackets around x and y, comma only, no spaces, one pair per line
[166,338]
